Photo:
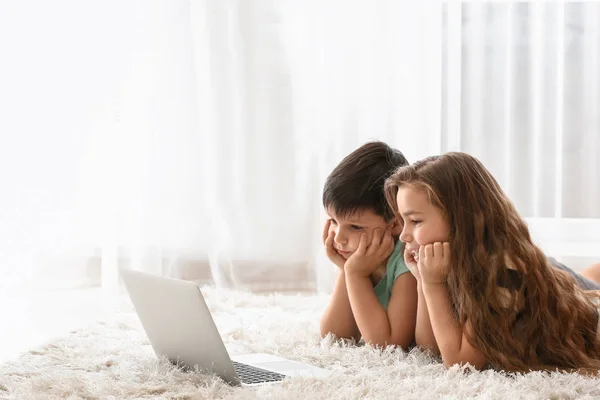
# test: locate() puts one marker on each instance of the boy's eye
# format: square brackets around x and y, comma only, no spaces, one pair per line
[356,227]
[333,221]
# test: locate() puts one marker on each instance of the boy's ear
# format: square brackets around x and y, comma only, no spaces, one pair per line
[396,227]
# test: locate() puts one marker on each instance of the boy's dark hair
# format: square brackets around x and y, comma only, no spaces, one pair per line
[358,180]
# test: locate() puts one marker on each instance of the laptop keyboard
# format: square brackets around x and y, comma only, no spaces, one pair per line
[249,374]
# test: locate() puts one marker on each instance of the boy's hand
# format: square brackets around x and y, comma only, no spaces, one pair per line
[331,252]
[434,260]
[413,266]
[366,259]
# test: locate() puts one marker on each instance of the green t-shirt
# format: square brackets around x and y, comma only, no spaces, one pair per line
[394,268]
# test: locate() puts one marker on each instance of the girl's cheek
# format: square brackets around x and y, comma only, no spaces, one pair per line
[417,236]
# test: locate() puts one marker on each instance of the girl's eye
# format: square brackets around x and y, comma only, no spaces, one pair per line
[356,227]
[415,222]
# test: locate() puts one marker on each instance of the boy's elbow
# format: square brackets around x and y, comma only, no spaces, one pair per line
[326,330]
[337,336]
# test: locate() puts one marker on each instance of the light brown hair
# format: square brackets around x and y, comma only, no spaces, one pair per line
[525,314]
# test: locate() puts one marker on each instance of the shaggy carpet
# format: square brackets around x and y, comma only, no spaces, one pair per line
[113,360]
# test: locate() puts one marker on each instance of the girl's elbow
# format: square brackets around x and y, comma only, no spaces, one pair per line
[403,343]
[448,363]
[430,346]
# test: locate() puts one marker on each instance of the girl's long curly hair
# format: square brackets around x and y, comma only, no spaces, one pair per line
[525,314]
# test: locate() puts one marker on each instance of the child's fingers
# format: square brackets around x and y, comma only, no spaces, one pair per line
[375,240]
[362,244]
[388,242]
[438,250]
[326,230]
[429,251]
[407,256]
[329,249]
[421,255]
[329,240]
[415,269]
[446,247]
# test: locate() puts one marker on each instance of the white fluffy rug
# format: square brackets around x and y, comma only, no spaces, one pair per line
[113,360]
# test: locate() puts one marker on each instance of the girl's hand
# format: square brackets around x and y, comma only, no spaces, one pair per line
[433,262]
[366,259]
[331,252]
[412,265]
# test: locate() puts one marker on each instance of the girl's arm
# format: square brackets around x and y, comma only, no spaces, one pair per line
[450,336]
[338,318]
[396,326]
[424,336]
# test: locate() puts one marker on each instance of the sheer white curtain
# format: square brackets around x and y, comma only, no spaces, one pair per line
[521,93]
[289,88]
[101,159]
[192,138]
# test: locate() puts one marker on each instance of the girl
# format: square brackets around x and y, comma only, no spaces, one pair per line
[487,295]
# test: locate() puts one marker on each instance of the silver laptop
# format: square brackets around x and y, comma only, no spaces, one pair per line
[180,327]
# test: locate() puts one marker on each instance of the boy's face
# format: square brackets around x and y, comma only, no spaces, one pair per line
[347,230]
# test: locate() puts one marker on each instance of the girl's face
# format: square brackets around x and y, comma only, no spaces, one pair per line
[423,222]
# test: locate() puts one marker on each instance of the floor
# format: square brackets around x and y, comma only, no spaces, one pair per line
[31,319]
[28,320]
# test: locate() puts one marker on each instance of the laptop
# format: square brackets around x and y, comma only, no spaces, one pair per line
[180,327]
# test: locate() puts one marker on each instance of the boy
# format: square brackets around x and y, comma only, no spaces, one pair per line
[374,296]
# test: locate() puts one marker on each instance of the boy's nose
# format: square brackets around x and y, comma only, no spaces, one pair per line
[340,237]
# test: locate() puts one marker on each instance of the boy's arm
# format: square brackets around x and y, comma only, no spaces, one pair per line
[338,318]
[396,326]
[424,336]
[450,336]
